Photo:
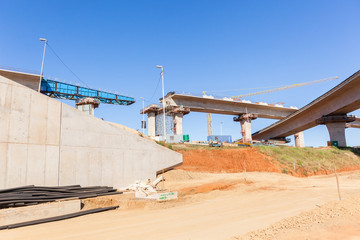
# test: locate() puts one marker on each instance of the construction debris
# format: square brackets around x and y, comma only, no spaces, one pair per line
[31,195]
[58,218]
[147,190]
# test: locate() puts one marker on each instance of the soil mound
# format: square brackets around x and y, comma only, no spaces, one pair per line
[227,161]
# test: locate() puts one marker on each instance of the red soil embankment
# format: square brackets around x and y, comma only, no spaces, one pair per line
[227,160]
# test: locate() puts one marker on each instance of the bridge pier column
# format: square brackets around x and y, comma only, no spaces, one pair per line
[178,114]
[337,132]
[245,123]
[178,121]
[87,105]
[151,124]
[336,126]
[299,139]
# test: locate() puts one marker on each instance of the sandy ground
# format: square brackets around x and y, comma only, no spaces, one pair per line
[265,206]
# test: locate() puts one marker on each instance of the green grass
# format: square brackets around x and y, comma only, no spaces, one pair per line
[312,159]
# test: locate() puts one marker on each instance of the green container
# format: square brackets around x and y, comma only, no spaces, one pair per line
[186,138]
[335,143]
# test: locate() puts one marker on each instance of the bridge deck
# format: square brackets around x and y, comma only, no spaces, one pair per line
[228,107]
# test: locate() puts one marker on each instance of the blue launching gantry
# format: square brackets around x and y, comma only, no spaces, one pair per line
[67,91]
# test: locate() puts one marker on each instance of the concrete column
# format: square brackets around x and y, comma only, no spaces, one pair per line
[245,123]
[336,126]
[246,130]
[337,132]
[299,139]
[88,108]
[178,121]
[151,124]
[87,105]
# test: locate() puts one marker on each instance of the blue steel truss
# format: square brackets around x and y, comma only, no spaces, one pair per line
[67,91]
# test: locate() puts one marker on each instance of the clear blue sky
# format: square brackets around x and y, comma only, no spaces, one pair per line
[203,45]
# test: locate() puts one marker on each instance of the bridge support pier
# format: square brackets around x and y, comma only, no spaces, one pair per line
[336,126]
[299,139]
[151,124]
[178,114]
[87,105]
[245,123]
[178,121]
[337,133]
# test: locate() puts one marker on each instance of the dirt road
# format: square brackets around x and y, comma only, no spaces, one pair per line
[270,198]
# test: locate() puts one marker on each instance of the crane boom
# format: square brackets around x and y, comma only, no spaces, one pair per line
[285,87]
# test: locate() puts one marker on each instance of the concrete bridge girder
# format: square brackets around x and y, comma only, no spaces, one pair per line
[340,100]
[219,106]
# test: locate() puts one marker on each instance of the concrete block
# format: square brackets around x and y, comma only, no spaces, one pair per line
[46,210]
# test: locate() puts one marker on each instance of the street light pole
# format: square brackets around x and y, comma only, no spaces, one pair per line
[221,128]
[42,63]
[163,99]
[142,123]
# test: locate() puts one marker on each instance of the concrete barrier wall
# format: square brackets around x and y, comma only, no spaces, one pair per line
[46,142]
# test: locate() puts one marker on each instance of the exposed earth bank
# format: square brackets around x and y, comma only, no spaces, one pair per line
[294,161]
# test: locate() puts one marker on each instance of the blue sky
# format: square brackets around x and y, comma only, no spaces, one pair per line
[203,45]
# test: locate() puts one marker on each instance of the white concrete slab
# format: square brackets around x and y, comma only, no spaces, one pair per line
[30,213]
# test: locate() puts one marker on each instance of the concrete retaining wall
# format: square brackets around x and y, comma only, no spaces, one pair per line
[48,143]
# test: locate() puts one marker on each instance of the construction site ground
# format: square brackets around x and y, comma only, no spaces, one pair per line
[222,205]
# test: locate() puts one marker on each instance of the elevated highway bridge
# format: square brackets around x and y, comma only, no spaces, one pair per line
[330,109]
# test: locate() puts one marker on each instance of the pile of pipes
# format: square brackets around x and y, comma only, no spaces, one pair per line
[32,195]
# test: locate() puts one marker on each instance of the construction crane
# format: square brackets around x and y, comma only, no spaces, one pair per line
[285,87]
[209,124]
[238,97]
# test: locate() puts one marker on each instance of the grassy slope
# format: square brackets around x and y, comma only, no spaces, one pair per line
[308,161]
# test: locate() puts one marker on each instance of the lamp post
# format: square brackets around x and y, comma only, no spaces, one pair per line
[163,99]
[142,123]
[42,63]
[221,123]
